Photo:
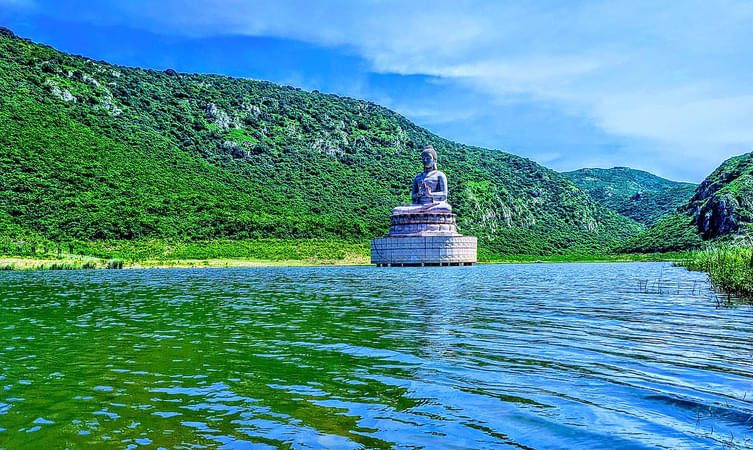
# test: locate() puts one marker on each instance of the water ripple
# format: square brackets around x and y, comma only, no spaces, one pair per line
[532,356]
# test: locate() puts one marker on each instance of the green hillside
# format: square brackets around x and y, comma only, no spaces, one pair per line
[642,196]
[721,209]
[97,152]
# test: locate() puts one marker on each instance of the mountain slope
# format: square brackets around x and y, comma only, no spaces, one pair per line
[721,208]
[94,151]
[642,196]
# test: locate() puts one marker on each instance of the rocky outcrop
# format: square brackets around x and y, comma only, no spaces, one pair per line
[722,203]
[234,149]
[715,217]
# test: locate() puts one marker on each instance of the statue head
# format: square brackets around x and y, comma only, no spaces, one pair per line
[429,158]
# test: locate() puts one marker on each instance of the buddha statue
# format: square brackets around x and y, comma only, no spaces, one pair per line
[429,192]
[424,232]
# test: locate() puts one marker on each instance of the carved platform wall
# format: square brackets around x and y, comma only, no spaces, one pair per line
[419,250]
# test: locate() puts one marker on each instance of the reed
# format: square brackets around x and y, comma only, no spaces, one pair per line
[730,268]
[59,266]
[115,264]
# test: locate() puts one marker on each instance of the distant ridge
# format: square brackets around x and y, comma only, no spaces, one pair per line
[640,195]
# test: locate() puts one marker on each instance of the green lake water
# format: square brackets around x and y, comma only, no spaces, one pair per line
[542,356]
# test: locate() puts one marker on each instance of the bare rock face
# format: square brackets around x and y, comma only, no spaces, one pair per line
[716,217]
[220,117]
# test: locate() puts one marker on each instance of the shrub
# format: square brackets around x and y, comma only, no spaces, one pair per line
[115,264]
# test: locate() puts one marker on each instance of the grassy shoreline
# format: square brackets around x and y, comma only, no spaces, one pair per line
[730,268]
[579,258]
[47,255]
[17,263]
[77,262]
[62,263]
[165,254]
[83,263]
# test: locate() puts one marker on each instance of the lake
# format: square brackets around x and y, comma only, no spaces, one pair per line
[540,355]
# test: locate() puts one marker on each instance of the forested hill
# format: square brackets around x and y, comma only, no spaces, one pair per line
[92,151]
[642,196]
[720,209]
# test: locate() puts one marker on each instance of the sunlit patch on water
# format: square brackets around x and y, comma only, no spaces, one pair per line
[573,355]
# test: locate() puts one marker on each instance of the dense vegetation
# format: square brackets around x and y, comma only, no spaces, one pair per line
[672,233]
[642,196]
[720,211]
[730,268]
[99,153]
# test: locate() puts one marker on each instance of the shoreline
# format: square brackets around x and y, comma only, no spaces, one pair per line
[735,279]
[20,263]
[91,263]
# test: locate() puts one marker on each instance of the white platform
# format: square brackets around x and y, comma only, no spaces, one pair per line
[424,250]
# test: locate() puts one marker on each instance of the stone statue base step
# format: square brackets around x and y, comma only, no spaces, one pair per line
[424,251]
[419,223]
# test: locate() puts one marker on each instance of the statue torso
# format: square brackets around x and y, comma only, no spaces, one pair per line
[435,180]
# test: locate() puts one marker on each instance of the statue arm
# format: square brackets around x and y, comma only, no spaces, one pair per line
[414,191]
[440,195]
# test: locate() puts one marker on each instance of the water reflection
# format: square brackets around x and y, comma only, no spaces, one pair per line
[576,355]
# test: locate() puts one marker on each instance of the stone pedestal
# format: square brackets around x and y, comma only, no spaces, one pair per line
[423,239]
[424,251]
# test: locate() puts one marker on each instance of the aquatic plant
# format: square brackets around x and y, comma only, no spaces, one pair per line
[730,268]
[67,265]
[115,264]
[58,266]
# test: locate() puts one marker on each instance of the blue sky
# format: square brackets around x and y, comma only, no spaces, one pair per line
[661,86]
